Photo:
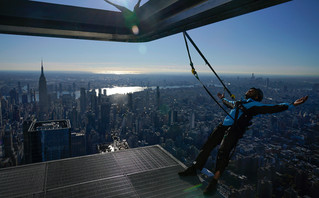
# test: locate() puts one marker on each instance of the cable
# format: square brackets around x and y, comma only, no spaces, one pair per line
[206,61]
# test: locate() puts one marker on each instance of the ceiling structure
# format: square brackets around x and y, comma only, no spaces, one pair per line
[153,20]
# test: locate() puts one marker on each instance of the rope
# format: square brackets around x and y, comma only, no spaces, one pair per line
[190,58]
[214,98]
[197,77]
[207,63]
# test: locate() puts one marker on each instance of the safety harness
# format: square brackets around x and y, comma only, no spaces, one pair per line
[238,104]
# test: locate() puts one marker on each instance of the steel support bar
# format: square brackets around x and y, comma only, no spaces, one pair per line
[156,18]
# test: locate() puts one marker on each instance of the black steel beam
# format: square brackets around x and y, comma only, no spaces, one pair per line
[204,14]
[156,18]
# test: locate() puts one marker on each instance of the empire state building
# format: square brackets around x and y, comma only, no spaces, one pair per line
[43,95]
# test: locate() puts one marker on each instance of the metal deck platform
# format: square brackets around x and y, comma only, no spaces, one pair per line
[141,172]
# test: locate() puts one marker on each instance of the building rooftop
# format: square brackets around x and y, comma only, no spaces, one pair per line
[140,172]
[49,125]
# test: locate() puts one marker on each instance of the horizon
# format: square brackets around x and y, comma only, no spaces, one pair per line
[183,74]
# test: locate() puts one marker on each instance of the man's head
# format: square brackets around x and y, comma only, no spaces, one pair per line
[255,94]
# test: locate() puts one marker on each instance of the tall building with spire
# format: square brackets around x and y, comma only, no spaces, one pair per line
[43,95]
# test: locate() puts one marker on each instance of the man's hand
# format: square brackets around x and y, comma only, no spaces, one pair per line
[300,101]
[221,96]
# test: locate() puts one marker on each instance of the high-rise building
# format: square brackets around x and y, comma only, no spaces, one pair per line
[9,151]
[15,113]
[8,141]
[24,98]
[99,96]
[252,76]
[14,97]
[19,88]
[78,142]
[172,117]
[130,101]
[105,118]
[43,95]
[0,112]
[27,150]
[158,97]
[60,88]
[264,189]
[74,118]
[83,100]
[48,140]
[94,102]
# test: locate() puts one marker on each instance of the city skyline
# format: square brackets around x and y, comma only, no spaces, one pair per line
[279,40]
[278,151]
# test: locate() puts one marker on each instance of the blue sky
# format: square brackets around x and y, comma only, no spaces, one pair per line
[283,39]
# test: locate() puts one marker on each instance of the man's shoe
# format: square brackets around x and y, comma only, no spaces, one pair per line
[190,171]
[211,189]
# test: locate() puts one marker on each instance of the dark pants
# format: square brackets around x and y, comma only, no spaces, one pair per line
[227,138]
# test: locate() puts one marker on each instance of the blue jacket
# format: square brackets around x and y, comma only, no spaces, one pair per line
[253,108]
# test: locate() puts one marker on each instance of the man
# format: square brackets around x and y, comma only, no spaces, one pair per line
[231,130]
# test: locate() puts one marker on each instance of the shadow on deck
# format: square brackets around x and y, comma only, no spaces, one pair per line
[140,172]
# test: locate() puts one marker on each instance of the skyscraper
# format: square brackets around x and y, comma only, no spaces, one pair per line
[78,142]
[130,101]
[8,142]
[267,82]
[48,140]
[83,100]
[43,95]
[172,117]
[0,112]
[8,145]
[252,76]
[14,97]
[158,102]
[105,118]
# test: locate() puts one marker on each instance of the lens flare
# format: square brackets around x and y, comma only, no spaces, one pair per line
[135,30]
[142,49]
[193,188]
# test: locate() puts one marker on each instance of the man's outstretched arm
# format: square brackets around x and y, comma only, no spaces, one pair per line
[300,101]
[269,109]
[227,103]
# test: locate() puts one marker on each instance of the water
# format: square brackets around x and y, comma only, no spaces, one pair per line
[126,90]
[117,90]
[120,90]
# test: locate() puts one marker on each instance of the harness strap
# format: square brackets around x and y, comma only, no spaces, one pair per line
[233,127]
[238,105]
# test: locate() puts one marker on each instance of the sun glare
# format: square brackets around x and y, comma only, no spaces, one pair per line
[135,30]
[118,72]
